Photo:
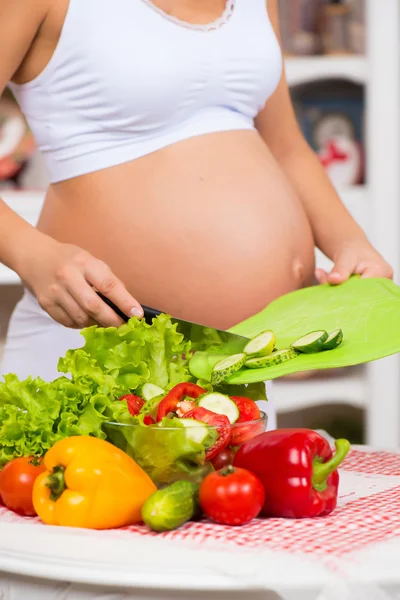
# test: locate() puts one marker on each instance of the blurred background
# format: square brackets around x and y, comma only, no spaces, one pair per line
[343,67]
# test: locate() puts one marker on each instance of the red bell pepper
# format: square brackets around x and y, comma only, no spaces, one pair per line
[298,471]
[221,424]
[169,404]
[135,403]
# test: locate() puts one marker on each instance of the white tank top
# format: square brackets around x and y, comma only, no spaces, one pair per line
[126,80]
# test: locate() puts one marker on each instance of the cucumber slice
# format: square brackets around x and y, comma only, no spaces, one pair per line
[201,364]
[220,404]
[226,367]
[149,391]
[196,430]
[276,358]
[262,345]
[333,340]
[310,343]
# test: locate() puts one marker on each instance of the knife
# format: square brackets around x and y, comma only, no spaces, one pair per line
[199,335]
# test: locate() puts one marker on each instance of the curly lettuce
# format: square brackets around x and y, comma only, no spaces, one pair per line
[34,414]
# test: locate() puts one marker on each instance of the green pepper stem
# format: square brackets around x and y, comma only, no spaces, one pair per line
[56,483]
[321,471]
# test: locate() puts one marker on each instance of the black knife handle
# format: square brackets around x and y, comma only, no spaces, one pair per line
[149,313]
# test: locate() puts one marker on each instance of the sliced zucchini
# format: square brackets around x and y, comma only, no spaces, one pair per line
[201,364]
[226,367]
[196,430]
[310,343]
[262,345]
[220,404]
[149,391]
[276,358]
[333,340]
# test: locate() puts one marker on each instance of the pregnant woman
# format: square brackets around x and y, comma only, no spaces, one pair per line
[179,178]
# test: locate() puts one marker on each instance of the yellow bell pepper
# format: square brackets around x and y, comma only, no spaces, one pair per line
[90,483]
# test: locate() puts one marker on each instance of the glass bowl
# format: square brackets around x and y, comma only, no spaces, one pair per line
[168,454]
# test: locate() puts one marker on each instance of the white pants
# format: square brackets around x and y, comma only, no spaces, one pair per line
[35,343]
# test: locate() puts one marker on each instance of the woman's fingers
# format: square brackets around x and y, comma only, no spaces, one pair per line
[91,304]
[58,313]
[321,276]
[100,276]
[65,281]
[79,317]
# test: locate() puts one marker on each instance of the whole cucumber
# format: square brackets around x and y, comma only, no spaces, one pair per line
[171,507]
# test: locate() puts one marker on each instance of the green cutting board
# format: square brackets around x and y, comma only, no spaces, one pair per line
[367,310]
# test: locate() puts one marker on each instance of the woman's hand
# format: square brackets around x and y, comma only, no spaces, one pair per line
[355,258]
[65,278]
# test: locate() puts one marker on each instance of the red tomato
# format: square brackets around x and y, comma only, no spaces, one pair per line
[248,409]
[16,483]
[243,433]
[221,424]
[223,459]
[231,496]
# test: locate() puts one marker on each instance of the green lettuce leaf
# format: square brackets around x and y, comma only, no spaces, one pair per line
[34,414]
[131,355]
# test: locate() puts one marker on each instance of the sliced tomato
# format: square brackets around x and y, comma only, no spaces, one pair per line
[135,403]
[148,420]
[169,404]
[248,409]
[220,422]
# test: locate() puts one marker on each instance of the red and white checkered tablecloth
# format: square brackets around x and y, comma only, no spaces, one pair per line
[368,512]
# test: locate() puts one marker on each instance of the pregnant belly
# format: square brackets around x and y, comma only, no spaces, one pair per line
[208,229]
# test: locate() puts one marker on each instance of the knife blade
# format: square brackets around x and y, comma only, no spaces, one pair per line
[199,335]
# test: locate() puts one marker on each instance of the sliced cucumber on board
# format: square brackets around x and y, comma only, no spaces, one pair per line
[226,367]
[333,340]
[262,345]
[310,343]
[201,364]
[221,404]
[276,358]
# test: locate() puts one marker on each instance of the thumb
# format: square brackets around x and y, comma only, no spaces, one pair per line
[344,266]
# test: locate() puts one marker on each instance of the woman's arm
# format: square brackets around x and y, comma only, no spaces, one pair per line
[62,276]
[335,231]
[20,21]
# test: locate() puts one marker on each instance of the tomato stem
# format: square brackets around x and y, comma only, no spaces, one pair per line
[56,483]
[227,471]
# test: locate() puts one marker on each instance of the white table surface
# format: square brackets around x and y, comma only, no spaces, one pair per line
[49,563]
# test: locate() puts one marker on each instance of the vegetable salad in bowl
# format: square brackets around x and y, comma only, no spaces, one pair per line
[187,432]
[129,376]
